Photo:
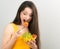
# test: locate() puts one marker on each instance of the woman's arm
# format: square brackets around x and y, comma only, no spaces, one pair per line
[7,41]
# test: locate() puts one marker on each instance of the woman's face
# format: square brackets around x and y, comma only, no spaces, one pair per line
[25,15]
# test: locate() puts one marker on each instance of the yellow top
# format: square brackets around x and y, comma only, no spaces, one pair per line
[19,44]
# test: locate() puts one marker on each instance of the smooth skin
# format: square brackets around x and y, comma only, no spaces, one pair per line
[7,41]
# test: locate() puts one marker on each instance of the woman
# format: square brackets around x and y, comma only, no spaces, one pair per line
[12,34]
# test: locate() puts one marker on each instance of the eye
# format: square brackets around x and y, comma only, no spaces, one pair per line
[24,13]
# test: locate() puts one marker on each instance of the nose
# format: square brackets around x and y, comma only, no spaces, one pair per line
[28,18]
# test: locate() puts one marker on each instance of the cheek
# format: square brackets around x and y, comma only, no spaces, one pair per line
[21,16]
[30,19]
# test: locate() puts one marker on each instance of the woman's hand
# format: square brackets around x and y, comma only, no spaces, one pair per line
[20,32]
[32,44]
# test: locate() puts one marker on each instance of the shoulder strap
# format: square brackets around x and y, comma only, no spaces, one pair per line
[15,27]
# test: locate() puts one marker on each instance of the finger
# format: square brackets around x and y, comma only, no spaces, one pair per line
[28,43]
[34,41]
[18,32]
[31,42]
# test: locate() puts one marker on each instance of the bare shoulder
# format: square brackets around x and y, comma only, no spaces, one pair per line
[9,28]
[8,31]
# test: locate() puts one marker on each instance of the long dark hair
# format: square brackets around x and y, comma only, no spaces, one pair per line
[33,24]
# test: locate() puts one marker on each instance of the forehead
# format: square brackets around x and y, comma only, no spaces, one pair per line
[27,9]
